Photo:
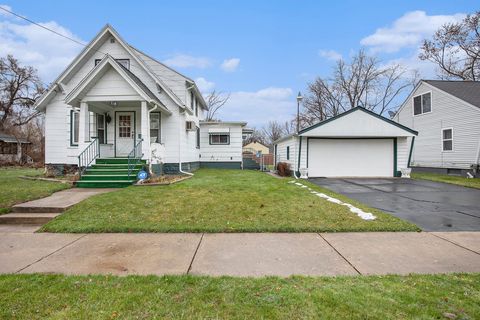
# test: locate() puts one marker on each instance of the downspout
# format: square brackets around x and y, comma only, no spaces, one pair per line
[180,139]
[149,157]
[294,171]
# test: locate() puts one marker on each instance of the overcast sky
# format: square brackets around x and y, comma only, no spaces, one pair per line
[262,52]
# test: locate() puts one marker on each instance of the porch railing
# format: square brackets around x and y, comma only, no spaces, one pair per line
[134,156]
[88,155]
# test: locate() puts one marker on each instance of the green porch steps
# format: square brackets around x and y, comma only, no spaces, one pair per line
[109,173]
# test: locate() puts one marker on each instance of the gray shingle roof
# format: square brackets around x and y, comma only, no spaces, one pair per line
[468,91]
[140,84]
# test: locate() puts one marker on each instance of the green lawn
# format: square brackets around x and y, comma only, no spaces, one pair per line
[15,190]
[188,297]
[219,201]
[461,181]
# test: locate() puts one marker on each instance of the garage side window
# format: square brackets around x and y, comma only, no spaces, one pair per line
[422,103]
[447,139]
[288,153]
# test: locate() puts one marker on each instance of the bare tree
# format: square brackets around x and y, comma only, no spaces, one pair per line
[455,49]
[20,86]
[361,82]
[272,131]
[215,101]
[256,136]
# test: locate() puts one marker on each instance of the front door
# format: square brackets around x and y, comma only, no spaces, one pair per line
[124,133]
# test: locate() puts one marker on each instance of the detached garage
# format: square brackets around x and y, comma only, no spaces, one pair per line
[357,143]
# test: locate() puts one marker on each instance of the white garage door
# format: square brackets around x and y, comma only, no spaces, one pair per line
[350,158]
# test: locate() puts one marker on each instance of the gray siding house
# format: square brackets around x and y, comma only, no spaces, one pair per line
[446,115]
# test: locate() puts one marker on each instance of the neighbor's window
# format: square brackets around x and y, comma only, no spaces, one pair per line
[288,153]
[74,127]
[219,139]
[8,148]
[123,62]
[422,103]
[101,128]
[447,139]
[198,138]
[155,133]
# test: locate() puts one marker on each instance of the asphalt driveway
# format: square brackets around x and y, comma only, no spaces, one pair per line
[433,206]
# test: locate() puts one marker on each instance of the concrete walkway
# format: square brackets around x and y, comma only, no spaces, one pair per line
[241,254]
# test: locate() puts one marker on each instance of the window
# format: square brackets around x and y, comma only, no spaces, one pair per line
[288,153]
[447,139]
[101,128]
[198,138]
[422,103]
[124,126]
[155,133]
[192,100]
[219,139]
[74,127]
[123,62]
[8,148]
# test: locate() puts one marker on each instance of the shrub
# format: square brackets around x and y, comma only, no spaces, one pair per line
[283,169]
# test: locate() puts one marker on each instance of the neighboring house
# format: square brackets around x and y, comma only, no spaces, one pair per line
[446,115]
[12,149]
[356,143]
[115,101]
[256,147]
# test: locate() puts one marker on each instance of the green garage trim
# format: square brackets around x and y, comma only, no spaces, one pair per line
[410,154]
[395,171]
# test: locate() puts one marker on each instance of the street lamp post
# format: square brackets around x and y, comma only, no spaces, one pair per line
[299,100]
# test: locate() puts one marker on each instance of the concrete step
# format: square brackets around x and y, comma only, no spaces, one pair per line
[117,161]
[27,218]
[104,183]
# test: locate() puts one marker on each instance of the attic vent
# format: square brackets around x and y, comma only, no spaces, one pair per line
[112,40]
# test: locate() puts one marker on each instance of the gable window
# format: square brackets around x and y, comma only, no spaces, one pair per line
[219,139]
[192,100]
[74,127]
[447,139]
[198,138]
[288,153]
[101,128]
[155,132]
[123,62]
[422,103]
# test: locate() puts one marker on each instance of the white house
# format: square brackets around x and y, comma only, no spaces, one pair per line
[114,101]
[356,143]
[447,116]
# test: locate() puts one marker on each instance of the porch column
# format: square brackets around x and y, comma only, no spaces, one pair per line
[145,129]
[84,124]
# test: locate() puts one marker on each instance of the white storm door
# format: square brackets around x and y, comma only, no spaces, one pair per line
[124,133]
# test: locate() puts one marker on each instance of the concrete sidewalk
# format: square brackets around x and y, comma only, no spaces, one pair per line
[241,254]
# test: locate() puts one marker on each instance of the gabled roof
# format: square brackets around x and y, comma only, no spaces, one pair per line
[99,70]
[468,91]
[93,46]
[358,109]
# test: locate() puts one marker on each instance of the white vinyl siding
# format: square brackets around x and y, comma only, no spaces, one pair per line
[231,152]
[447,112]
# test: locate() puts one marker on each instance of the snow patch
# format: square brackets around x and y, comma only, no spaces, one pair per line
[359,212]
